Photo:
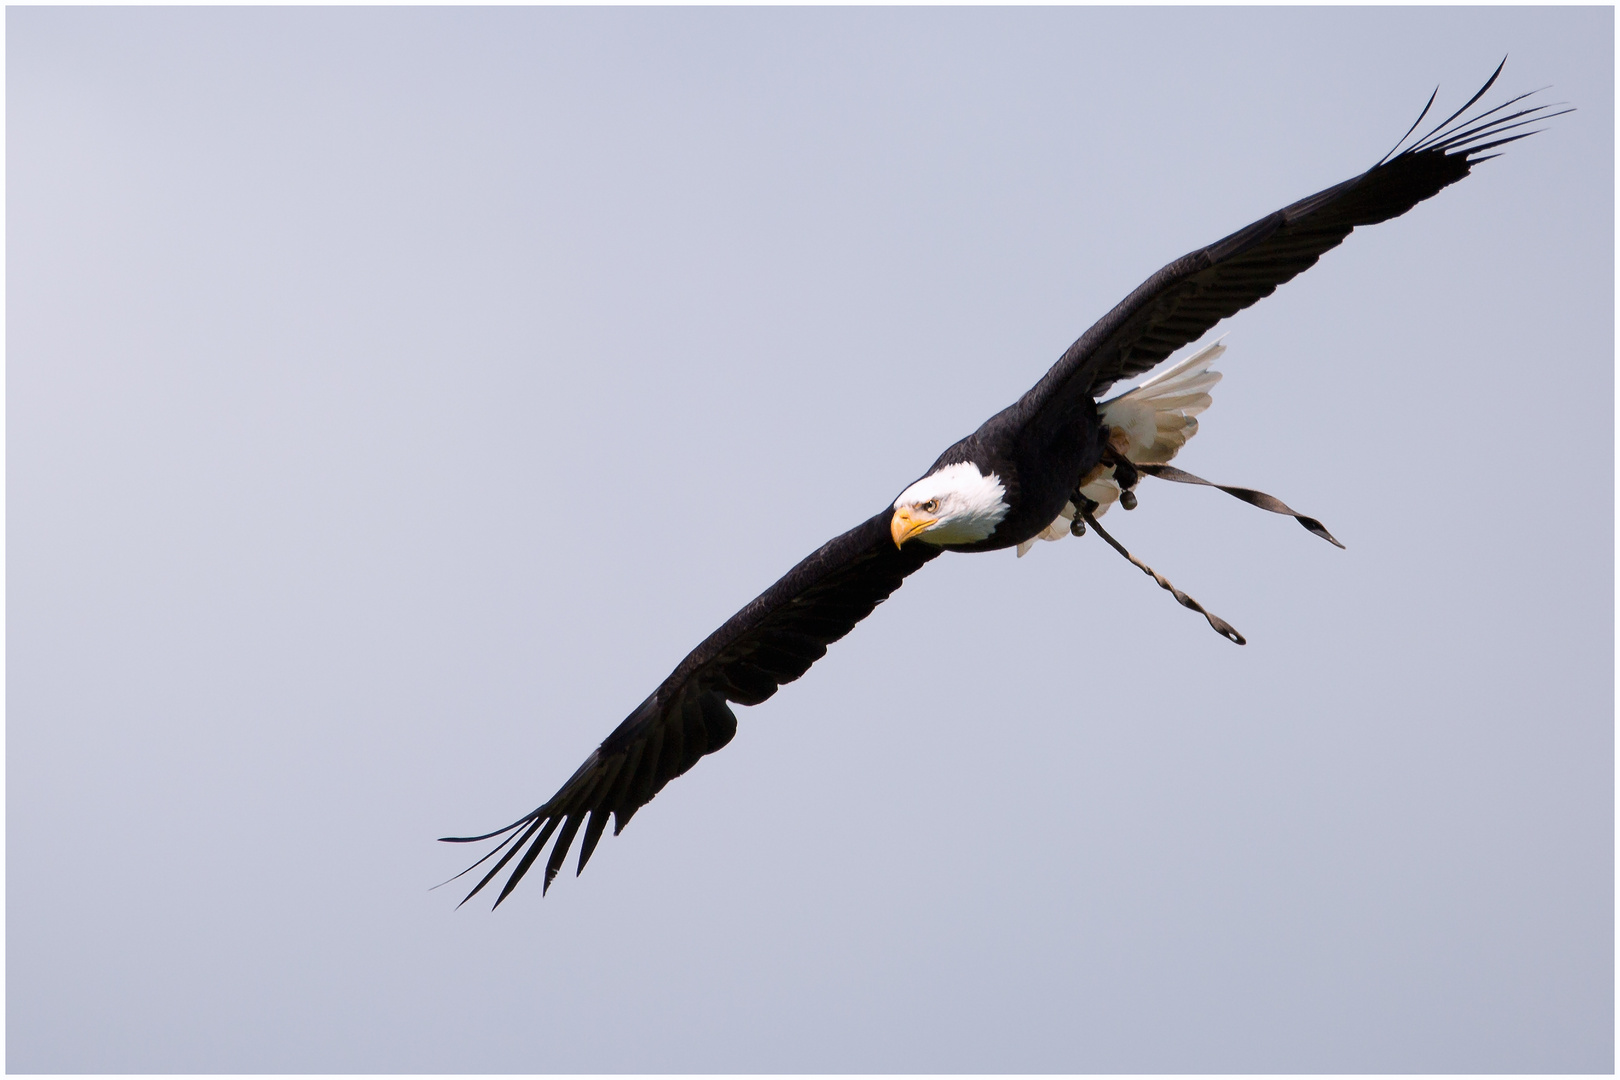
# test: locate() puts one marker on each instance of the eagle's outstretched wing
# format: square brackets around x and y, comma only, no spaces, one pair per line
[1184,299]
[772,641]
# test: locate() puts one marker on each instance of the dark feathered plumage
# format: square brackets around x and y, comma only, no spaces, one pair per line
[1039,448]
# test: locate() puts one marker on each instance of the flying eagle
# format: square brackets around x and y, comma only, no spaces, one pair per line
[1045,466]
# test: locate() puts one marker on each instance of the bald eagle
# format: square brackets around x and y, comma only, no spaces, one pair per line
[1046,466]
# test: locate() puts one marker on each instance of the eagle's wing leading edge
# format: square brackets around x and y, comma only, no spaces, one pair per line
[771,641]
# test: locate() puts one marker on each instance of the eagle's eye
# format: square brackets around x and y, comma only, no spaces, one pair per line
[930,506]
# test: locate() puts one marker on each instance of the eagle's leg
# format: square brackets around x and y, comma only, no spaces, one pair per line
[1125,475]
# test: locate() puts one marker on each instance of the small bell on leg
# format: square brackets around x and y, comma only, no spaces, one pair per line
[1125,475]
[1083,508]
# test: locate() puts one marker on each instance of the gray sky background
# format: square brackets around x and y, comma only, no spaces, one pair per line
[395,396]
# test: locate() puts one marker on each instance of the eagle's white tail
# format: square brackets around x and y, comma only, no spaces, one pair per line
[1147,424]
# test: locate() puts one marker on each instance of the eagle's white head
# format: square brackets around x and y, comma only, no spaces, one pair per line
[955,505]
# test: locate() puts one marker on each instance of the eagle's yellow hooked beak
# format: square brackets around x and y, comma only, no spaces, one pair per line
[908,522]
